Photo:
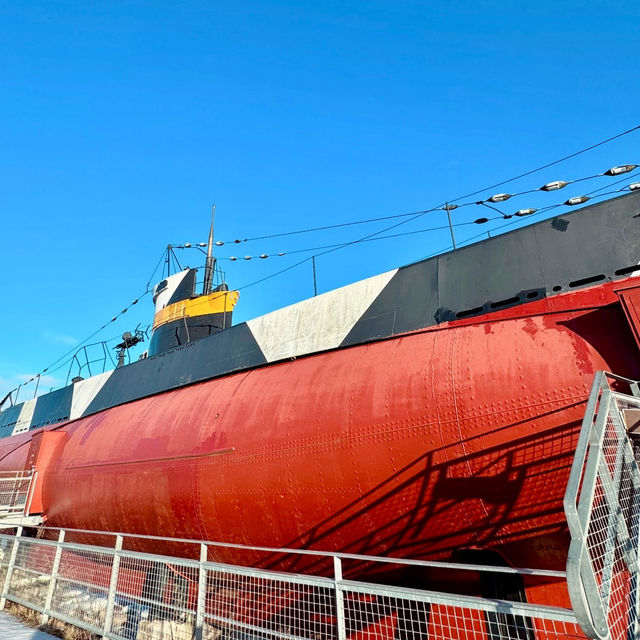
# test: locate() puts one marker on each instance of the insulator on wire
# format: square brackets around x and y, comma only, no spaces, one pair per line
[202,244]
[232,258]
[499,197]
[450,207]
[236,241]
[481,221]
[554,186]
[282,254]
[634,186]
[263,255]
[576,200]
[219,243]
[623,168]
[524,212]
[187,245]
[247,257]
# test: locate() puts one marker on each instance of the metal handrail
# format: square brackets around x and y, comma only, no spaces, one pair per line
[39,574]
[435,564]
[604,457]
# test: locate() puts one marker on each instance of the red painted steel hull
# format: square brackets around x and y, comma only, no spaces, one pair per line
[458,436]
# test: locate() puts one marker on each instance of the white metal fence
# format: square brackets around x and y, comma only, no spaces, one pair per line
[126,595]
[602,506]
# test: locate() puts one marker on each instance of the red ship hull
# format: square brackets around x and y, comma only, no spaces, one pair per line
[455,437]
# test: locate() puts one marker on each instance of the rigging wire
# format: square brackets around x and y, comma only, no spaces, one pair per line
[503,216]
[534,213]
[417,215]
[537,214]
[323,228]
[329,249]
[76,347]
[338,244]
[68,356]
[373,235]
[550,164]
[160,261]
[49,369]
[549,186]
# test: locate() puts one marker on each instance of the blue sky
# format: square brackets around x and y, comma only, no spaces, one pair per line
[121,123]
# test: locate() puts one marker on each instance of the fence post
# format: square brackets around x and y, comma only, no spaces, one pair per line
[113,584]
[12,561]
[337,576]
[44,618]
[202,593]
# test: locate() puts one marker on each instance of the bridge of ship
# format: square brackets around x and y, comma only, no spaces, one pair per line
[113,591]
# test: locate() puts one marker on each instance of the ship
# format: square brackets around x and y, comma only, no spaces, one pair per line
[431,411]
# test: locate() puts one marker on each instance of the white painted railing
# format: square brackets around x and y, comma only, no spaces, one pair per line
[122,594]
[602,505]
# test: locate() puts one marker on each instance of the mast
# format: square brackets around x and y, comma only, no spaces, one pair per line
[211,261]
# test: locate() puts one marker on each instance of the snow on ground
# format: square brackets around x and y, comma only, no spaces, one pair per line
[12,628]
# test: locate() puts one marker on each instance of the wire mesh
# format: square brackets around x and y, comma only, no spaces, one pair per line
[603,515]
[82,586]
[14,491]
[157,598]
[372,615]
[31,571]
[126,595]
[620,570]
[271,606]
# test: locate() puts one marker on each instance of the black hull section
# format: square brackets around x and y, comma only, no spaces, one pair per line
[232,350]
[179,333]
[597,244]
